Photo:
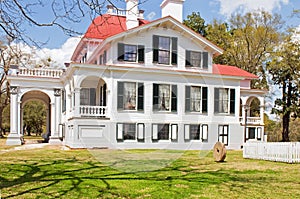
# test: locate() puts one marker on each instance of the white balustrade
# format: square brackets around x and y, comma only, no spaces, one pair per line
[251,120]
[93,111]
[274,151]
[36,72]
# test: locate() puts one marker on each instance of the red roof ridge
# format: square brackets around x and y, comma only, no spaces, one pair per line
[220,69]
[107,25]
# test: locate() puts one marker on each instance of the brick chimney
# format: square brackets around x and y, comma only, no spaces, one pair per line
[173,8]
[132,13]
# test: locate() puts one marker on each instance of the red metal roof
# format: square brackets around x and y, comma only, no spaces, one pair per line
[107,25]
[232,71]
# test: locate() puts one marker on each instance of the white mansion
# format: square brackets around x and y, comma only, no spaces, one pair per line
[134,83]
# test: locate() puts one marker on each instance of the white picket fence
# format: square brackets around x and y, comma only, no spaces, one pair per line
[274,151]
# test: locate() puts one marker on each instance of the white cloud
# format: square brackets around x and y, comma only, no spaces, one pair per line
[60,55]
[228,7]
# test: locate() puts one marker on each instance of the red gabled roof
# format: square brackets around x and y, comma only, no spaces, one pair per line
[108,25]
[232,71]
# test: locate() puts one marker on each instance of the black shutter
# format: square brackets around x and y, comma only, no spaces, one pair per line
[174,98]
[141,53]
[205,60]
[120,52]
[216,100]
[104,94]
[232,101]
[174,51]
[120,94]
[187,98]
[155,96]
[140,104]
[187,58]
[155,48]
[204,99]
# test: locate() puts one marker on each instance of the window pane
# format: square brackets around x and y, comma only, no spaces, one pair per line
[130,53]
[195,132]
[129,131]
[195,59]
[163,131]
[164,57]
[84,96]
[223,100]
[164,97]
[164,50]
[195,99]
[129,96]
[164,43]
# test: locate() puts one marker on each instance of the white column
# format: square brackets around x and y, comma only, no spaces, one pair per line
[55,118]
[14,137]
[261,112]
[77,101]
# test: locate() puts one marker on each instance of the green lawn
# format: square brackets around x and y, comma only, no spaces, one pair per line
[54,173]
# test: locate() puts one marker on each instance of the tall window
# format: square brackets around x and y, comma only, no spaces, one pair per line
[88,96]
[126,131]
[196,99]
[164,97]
[130,53]
[223,134]
[130,96]
[196,59]
[164,50]
[224,100]
[196,132]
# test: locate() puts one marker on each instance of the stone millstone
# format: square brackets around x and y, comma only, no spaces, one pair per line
[219,152]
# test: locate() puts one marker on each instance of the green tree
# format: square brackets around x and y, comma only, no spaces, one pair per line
[247,41]
[196,23]
[285,70]
[34,116]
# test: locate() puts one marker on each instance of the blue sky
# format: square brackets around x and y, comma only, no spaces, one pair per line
[209,10]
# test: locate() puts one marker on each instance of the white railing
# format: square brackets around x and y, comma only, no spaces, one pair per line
[93,111]
[35,72]
[251,120]
[273,151]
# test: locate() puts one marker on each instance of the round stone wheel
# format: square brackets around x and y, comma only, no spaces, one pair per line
[219,152]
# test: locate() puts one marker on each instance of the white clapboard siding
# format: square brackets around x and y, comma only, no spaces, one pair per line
[273,151]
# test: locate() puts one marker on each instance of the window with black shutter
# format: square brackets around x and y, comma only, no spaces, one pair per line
[131,53]
[196,59]
[196,99]
[165,50]
[130,96]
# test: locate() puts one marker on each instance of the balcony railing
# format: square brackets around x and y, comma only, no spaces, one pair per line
[251,120]
[36,72]
[92,111]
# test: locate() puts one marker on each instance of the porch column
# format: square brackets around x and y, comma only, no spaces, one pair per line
[48,129]
[77,102]
[55,118]
[14,137]
[261,112]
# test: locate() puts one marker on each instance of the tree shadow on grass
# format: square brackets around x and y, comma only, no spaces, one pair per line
[70,177]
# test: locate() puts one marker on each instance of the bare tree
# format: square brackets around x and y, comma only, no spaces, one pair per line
[16,15]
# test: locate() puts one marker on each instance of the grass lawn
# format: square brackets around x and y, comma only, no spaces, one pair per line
[54,173]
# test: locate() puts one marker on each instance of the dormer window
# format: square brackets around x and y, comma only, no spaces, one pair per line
[131,53]
[196,59]
[164,50]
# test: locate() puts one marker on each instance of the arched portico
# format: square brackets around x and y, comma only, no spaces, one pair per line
[19,97]
[252,113]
